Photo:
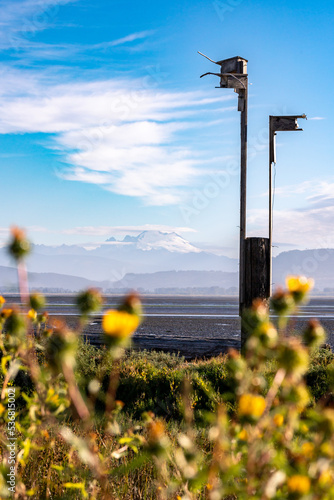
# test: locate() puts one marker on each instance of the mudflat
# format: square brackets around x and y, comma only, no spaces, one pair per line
[194,326]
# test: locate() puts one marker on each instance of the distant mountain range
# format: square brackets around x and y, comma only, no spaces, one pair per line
[151,251]
[154,261]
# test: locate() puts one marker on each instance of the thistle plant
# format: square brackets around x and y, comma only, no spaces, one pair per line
[266,439]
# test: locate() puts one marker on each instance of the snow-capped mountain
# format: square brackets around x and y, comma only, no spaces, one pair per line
[149,252]
[157,240]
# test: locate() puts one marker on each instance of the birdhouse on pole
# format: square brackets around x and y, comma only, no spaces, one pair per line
[281,124]
[233,75]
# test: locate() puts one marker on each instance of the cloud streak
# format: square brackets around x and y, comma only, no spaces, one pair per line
[125,230]
[128,136]
[131,38]
[24,17]
[125,141]
[307,226]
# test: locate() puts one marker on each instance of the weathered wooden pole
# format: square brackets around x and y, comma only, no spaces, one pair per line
[243,108]
[233,75]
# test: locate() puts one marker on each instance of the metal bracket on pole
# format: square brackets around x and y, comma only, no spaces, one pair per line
[277,124]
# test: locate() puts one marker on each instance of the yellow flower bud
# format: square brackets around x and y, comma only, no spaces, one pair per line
[325,478]
[251,405]
[278,420]
[314,335]
[327,450]
[299,286]
[299,484]
[5,313]
[307,450]
[304,428]
[32,314]
[119,323]
[293,357]
[243,435]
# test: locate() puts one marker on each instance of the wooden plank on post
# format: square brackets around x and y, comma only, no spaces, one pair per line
[257,274]
[257,283]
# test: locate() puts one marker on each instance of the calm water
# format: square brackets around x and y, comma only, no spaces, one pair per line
[194,317]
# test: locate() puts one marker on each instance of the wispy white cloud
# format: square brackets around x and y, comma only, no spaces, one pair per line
[125,135]
[125,230]
[317,118]
[23,17]
[313,189]
[28,50]
[120,139]
[307,226]
[130,38]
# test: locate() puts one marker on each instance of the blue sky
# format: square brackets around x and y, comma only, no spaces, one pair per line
[106,128]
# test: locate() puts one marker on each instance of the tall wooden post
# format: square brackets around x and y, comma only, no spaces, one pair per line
[243,108]
[233,75]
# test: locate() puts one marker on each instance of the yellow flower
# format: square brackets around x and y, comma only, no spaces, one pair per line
[32,314]
[251,405]
[54,399]
[307,450]
[119,323]
[2,409]
[327,450]
[325,478]
[209,486]
[278,420]
[299,284]
[5,313]
[2,300]
[304,428]
[299,484]
[243,435]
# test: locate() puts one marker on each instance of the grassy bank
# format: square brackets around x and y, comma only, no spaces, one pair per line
[148,381]
[153,381]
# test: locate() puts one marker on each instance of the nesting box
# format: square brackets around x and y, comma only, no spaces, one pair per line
[234,65]
[233,73]
[284,123]
[281,124]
